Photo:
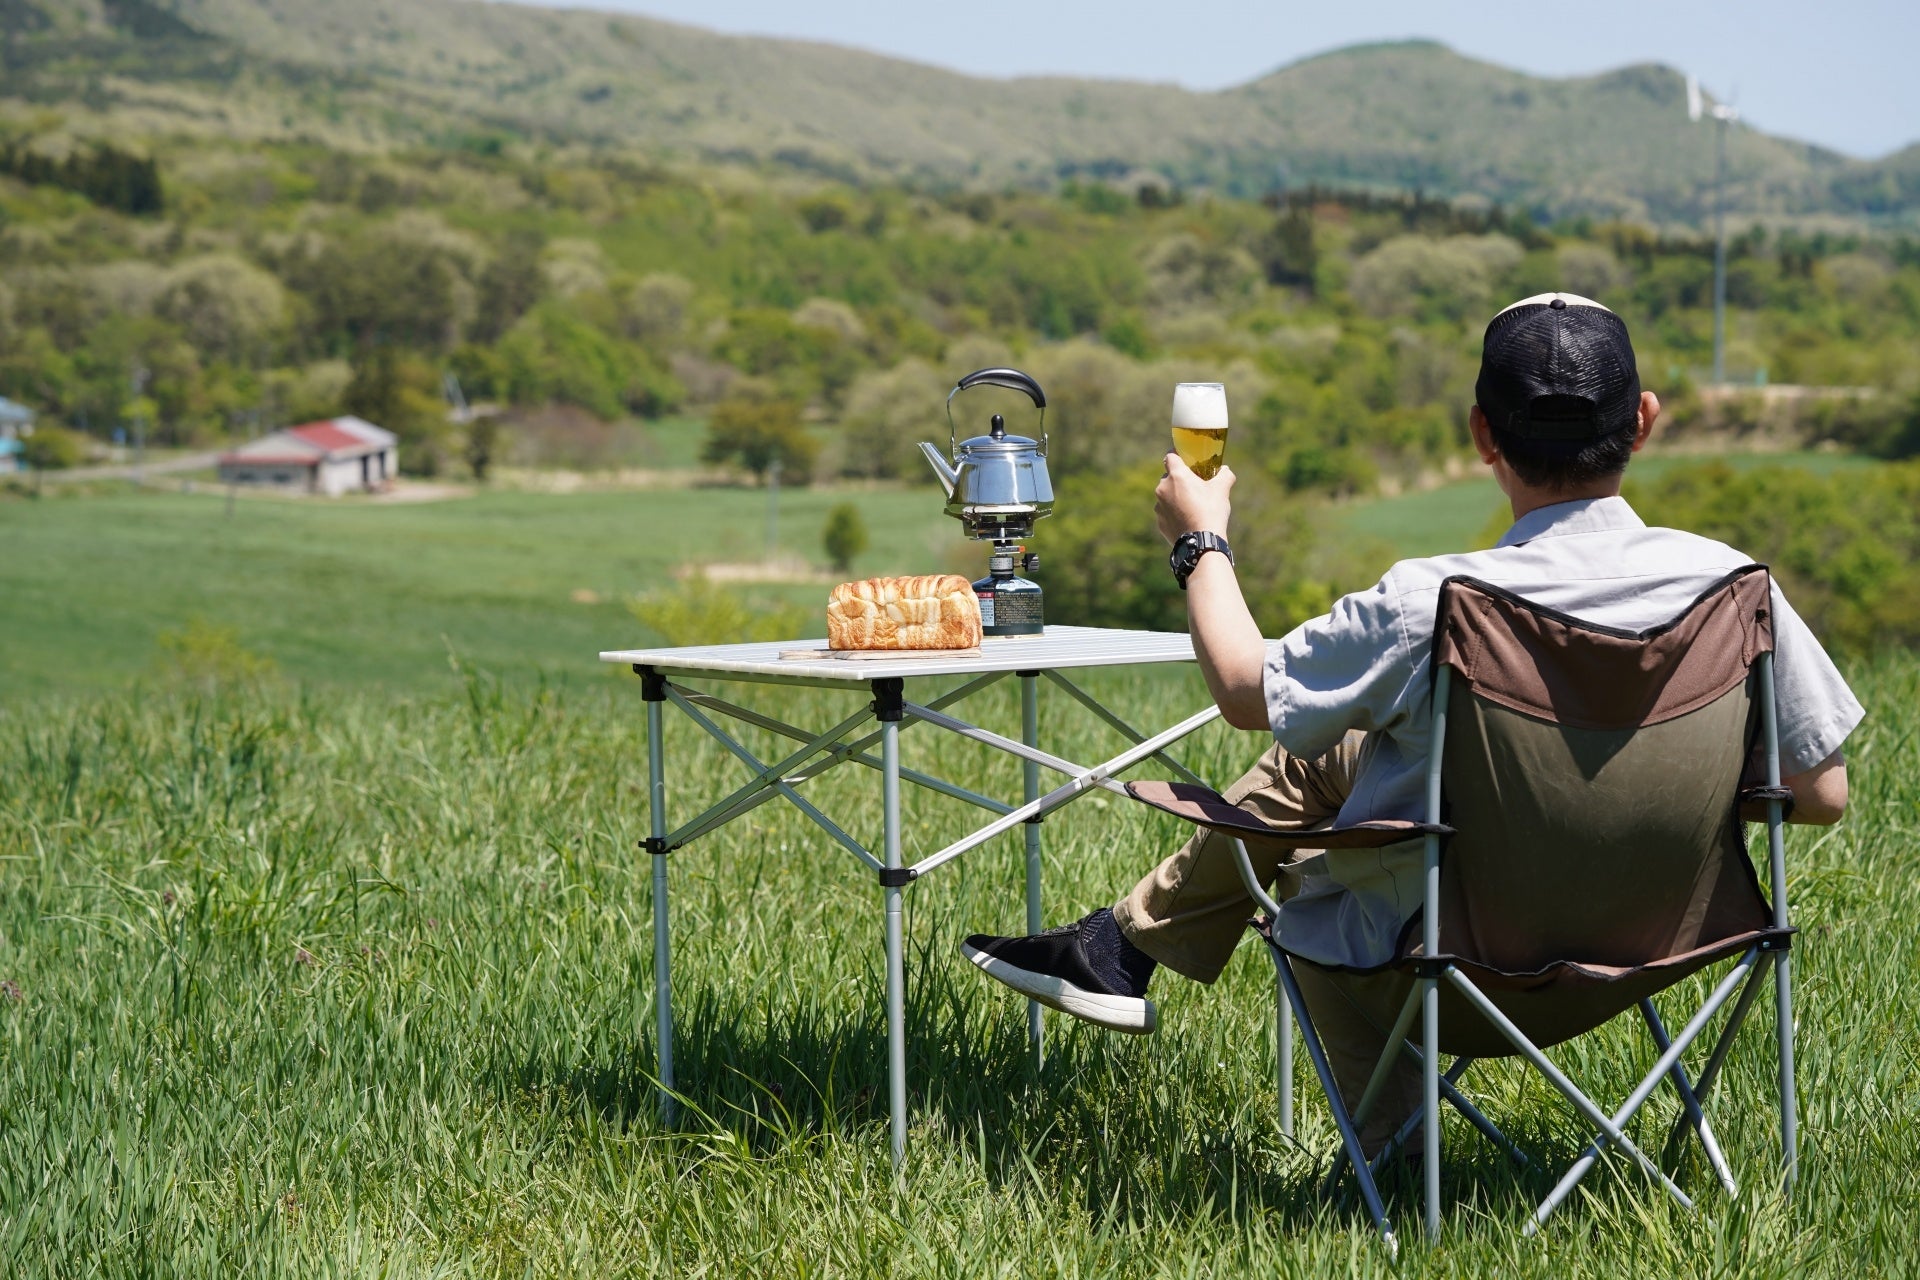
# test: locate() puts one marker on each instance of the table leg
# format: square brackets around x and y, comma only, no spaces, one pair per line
[1030,736]
[896,958]
[662,953]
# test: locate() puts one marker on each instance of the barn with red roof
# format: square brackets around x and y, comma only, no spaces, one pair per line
[331,457]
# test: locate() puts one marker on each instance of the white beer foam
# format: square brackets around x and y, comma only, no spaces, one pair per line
[1200,406]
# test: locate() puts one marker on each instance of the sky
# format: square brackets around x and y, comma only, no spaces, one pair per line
[1839,73]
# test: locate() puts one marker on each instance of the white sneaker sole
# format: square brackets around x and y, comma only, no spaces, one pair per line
[1132,1014]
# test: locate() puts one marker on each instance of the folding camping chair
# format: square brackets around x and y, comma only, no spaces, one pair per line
[1584,851]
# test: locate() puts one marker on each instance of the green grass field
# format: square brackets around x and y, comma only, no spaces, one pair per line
[352,592]
[344,968]
[361,986]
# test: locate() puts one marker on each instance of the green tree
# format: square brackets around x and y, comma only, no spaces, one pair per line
[656,309]
[400,393]
[225,306]
[757,432]
[483,442]
[1450,279]
[553,356]
[1287,251]
[509,286]
[844,536]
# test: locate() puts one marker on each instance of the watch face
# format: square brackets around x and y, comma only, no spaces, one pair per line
[1186,553]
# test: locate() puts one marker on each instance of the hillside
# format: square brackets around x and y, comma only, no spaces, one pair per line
[384,72]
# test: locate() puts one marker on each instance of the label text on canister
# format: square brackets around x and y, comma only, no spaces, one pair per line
[1017,609]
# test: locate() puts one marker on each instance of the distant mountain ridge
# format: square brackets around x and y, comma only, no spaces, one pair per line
[1405,115]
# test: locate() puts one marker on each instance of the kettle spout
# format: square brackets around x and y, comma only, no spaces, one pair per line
[941,467]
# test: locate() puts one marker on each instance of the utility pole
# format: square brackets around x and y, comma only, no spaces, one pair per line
[1724,117]
[1720,248]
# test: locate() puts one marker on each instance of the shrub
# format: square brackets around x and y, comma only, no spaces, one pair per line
[844,536]
[697,611]
[211,658]
[52,448]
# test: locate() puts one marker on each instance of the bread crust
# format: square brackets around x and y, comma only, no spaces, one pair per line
[924,611]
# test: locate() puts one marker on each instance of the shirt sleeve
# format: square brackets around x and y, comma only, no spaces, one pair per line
[1350,668]
[1815,707]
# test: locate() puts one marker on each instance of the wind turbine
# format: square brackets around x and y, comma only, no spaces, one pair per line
[1724,116]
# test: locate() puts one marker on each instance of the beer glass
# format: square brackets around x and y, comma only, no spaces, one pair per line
[1200,426]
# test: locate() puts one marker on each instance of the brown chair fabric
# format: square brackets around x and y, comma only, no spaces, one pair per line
[1206,807]
[1583,676]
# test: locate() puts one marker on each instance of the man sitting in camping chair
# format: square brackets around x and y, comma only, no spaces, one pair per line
[1348,699]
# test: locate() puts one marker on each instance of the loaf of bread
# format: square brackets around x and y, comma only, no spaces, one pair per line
[930,611]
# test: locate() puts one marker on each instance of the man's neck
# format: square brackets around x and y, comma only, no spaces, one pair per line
[1526,500]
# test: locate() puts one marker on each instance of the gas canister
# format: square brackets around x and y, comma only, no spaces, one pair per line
[1009,604]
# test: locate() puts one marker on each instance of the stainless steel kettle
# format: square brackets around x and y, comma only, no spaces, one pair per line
[997,484]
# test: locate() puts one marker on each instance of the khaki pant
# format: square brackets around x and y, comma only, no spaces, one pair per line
[1192,911]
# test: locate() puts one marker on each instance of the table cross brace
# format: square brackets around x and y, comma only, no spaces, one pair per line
[841,752]
[799,801]
[1081,781]
[773,781]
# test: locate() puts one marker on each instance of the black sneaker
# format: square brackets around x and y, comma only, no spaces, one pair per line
[1087,969]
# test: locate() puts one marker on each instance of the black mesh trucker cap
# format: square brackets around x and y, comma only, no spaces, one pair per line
[1558,367]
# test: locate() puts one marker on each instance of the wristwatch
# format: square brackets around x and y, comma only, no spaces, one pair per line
[1189,547]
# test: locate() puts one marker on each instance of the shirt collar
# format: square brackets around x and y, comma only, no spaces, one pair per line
[1583,515]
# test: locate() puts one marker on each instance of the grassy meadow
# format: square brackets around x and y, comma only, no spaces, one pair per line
[357,592]
[337,961]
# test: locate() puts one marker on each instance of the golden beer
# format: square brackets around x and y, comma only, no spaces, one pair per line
[1201,449]
[1200,426]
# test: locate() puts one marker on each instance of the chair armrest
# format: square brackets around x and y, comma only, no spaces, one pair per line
[1205,807]
[1760,793]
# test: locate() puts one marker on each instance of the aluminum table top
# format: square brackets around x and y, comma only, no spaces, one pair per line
[1057,649]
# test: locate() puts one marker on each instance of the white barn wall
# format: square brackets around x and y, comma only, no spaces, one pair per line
[336,478]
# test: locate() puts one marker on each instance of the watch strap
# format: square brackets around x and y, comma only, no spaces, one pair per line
[1189,547]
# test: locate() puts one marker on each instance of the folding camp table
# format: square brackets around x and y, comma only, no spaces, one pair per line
[1032,658]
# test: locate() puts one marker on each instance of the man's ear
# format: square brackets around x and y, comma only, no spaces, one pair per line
[1483,434]
[1649,414]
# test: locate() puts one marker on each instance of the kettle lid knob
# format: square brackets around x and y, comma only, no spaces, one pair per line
[999,427]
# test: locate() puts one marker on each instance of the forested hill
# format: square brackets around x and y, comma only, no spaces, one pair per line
[1413,115]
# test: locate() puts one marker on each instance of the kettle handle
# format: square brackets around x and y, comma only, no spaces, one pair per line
[1012,380]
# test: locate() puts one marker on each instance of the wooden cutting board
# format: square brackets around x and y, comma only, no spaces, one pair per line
[873,655]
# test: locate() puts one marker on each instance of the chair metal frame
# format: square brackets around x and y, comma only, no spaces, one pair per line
[1745,976]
